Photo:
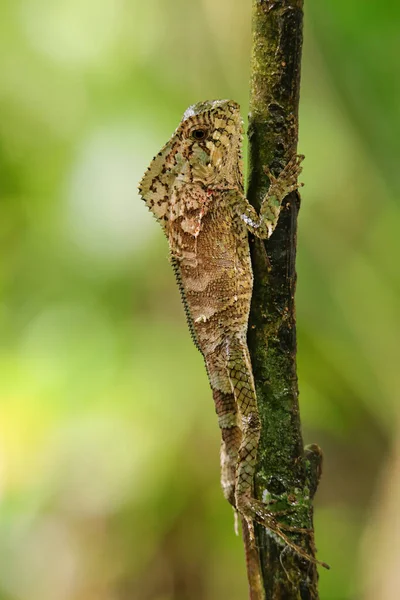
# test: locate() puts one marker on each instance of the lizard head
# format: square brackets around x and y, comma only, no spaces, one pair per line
[211,139]
[205,149]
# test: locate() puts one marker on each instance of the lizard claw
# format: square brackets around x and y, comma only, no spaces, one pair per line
[269,174]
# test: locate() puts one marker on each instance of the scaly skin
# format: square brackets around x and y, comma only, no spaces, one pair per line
[194,187]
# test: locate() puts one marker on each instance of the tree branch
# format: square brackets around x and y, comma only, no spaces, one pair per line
[284,473]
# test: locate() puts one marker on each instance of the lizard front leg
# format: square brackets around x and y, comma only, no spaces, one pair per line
[263,225]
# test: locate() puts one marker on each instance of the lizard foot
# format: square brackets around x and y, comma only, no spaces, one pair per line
[286,181]
[254,510]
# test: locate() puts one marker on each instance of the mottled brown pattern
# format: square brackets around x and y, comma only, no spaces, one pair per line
[194,187]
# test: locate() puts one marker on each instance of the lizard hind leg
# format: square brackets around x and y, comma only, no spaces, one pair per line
[243,388]
[225,406]
[242,384]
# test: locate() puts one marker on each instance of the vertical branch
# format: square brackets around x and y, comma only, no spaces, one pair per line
[284,472]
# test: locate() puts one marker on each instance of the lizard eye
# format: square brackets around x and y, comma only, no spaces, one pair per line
[198,134]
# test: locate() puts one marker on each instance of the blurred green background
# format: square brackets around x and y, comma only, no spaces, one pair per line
[109,469]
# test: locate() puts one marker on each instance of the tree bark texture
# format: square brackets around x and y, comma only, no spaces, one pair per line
[285,473]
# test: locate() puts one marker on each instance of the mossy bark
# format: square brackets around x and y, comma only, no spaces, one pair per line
[285,472]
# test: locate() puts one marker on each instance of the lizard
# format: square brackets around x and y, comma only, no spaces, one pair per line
[195,189]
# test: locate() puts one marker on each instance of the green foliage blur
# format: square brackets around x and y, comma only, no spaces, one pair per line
[109,469]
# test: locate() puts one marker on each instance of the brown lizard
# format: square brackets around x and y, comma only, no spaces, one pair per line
[194,188]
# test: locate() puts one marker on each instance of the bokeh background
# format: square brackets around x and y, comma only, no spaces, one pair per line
[109,475]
